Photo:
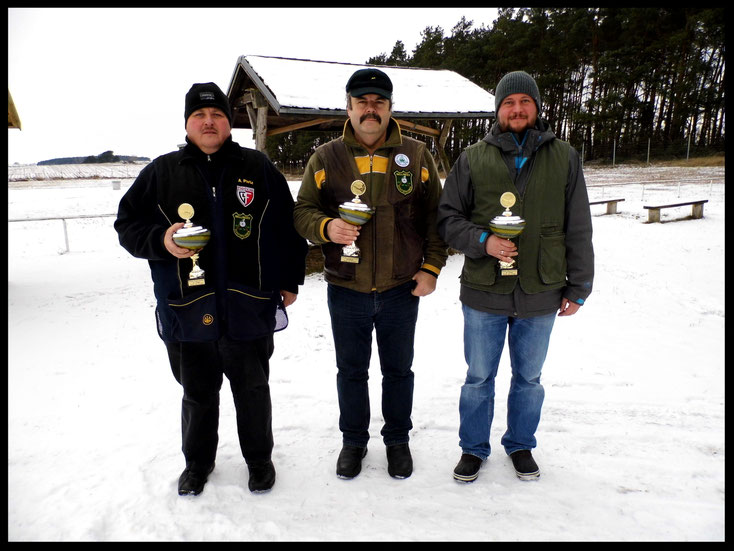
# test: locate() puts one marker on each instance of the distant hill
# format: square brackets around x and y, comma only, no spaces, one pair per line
[106,157]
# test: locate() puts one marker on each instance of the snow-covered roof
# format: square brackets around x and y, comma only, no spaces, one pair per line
[301,86]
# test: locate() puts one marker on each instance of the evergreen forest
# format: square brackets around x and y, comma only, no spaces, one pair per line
[628,82]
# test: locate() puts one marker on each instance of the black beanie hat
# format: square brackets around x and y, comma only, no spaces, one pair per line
[516,82]
[369,81]
[206,95]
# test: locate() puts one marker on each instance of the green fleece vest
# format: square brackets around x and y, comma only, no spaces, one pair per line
[541,259]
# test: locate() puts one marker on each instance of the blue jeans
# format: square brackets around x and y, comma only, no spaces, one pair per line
[392,314]
[484,339]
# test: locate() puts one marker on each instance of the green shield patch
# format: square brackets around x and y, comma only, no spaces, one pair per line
[242,225]
[404,181]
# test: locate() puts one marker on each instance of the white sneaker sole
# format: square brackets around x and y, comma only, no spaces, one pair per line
[466,478]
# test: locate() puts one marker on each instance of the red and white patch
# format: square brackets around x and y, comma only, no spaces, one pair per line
[246,195]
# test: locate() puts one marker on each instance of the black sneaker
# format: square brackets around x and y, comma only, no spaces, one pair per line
[399,461]
[191,482]
[262,477]
[525,466]
[467,469]
[349,463]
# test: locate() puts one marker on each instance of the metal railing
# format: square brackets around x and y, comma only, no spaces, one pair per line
[63,221]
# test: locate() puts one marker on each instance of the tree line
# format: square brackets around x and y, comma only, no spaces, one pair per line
[104,157]
[608,77]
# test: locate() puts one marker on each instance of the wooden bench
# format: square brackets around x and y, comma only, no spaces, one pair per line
[610,203]
[653,211]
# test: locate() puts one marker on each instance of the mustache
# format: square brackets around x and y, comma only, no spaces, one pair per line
[370,116]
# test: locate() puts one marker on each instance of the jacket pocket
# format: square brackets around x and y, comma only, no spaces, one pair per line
[194,318]
[407,255]
[252,313]
[479,273]
[552,258]
[333,265]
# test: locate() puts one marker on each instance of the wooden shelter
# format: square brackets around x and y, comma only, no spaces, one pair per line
[272,95]
[13,118]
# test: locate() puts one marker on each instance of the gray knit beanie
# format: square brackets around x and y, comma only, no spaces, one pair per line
[516,82]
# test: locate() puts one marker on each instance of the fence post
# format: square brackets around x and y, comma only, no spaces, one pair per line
[66,236]
[614,151]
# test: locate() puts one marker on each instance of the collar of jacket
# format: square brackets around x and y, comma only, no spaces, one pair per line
[394,137]
[538,135]
[229,149]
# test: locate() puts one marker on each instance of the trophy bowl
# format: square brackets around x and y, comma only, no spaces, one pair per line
[507,225]
[355,213]
[193,237]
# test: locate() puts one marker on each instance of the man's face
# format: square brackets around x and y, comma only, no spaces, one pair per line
[370,115]
[208,128]
[517,112]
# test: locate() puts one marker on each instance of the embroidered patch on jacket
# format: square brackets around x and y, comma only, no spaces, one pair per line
[404,181]
[242,225]
[402,160]
[246,194]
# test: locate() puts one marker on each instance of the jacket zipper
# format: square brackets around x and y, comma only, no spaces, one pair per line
[374,236]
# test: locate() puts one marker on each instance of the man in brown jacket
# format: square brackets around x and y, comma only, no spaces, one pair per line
[400,256]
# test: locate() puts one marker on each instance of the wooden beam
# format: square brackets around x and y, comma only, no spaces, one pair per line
[257,99]
[417,128]
[261,131]
[441,146]
[297,126]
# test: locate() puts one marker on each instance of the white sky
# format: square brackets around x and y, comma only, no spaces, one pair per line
[88,80]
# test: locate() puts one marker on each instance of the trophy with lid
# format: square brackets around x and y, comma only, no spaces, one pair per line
[193,238]
[357,213]
[507,226]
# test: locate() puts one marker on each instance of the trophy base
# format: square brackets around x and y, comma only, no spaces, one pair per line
[196,282]
[508,269]
[350,254]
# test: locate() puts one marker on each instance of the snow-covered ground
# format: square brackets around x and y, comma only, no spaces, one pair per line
[631,443]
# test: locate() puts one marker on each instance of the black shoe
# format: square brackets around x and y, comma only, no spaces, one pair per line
[525,466]
[262,477]
[467,469]
[191,482]
[349,463]
[399,461]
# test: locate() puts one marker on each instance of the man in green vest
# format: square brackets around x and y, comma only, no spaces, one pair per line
[520,160]
[394,180]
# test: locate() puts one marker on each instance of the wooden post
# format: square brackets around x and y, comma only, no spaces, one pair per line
[443,158]
[257,112]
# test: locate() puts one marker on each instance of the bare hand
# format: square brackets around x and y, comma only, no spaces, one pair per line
[339,231]
[171,247]
[568,308]
[288,297]
[503,249]
[426,284]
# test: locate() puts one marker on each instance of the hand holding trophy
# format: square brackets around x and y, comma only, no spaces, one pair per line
[507,226]
[357,213]
[193,238]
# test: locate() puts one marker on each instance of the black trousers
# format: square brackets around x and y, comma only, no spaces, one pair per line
[199,368]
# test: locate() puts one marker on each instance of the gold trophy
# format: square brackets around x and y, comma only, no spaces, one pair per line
[507,226]
[357,213]
[194,238]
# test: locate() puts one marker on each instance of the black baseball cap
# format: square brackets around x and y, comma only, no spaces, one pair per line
[369,81]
